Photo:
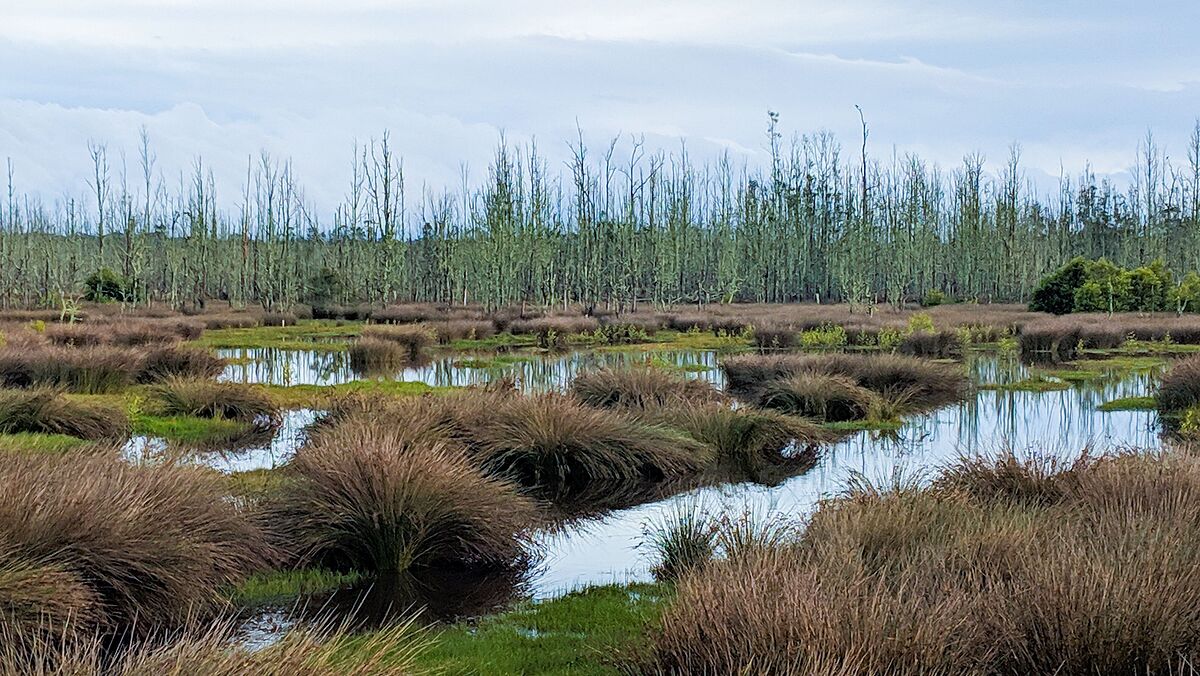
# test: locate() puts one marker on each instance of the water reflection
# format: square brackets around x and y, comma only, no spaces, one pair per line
[279,445]
[602,546]
[534,373]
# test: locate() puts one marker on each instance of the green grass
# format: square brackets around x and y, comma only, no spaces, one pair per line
[1075,375]
[324,335]
[685,340]
[497,362]
[283,586]
[33,442]
[1036,383]
[580,633]
[189,429]
[1129,404]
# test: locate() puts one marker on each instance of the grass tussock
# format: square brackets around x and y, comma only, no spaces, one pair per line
[1179,389]
[176,361]
[46,411]
[764,445]
[91,370]
[125,548]
[365,498]
[917,383]
[640,388]
[1001,566]
[211,399]
[833,398]
[415,339]
[374,355]
[450,330]
[557,445]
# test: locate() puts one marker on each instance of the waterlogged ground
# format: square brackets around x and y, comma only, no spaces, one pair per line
[1022,407]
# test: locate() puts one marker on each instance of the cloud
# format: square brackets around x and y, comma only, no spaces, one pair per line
[305,80]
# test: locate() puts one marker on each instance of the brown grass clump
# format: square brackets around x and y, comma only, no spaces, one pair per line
[918,383]
[176,361]
[1180,387]
[818,395]
[77,335]
[210,399]
[562,326]
[996,568]
[376,499]
[640,388]
[765,446]
[132,547]
[91,370]
[373,355]
[556,445]
[414,339]
[46,411]
[450,330]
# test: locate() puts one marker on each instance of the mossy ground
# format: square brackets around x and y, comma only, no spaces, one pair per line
[584,632]
[1129,404]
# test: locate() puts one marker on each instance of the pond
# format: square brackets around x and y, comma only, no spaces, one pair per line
[605,548]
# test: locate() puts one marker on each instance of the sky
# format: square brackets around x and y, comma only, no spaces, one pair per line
[1074,83]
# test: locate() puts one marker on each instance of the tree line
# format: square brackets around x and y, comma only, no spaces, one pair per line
[618,226]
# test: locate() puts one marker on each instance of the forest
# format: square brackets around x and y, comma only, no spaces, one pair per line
[619,225]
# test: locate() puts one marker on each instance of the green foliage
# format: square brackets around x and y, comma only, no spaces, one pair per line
[327,286]
[1056,292]
[934,298]
[826,335]
[1101,286]
[107,285]
[621,334]
[1186,296]
[584,632]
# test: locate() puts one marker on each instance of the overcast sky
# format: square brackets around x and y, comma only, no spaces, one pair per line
[1071,81]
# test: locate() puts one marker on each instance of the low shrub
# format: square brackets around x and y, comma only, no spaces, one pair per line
[415,339]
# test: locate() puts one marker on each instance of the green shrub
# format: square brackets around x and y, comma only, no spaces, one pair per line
[106,285]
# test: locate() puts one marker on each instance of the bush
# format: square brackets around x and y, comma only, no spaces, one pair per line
[107,285]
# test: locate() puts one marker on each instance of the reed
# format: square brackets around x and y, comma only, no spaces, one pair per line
[415,339]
